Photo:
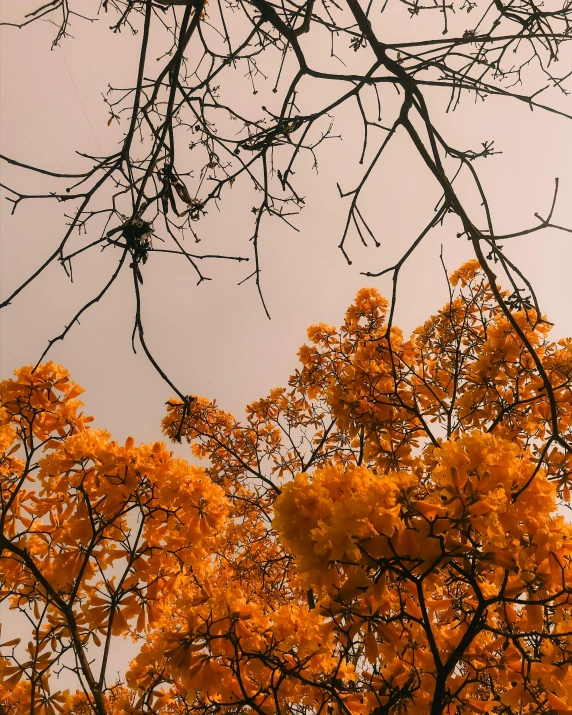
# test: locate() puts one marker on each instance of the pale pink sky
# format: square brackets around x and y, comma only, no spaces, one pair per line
[214,339]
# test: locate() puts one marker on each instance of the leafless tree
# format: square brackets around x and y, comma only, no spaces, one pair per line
[151,193]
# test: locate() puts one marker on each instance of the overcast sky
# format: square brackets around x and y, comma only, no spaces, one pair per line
[214,339]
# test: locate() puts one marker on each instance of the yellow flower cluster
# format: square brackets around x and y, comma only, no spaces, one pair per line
[459,562]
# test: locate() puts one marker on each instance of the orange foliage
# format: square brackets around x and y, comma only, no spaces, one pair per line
[380,537]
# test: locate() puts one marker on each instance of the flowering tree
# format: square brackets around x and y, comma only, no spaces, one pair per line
[382,536]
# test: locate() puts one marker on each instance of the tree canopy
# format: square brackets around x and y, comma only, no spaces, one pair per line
[380,536]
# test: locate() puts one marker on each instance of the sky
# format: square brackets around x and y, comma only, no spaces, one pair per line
[214,339]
